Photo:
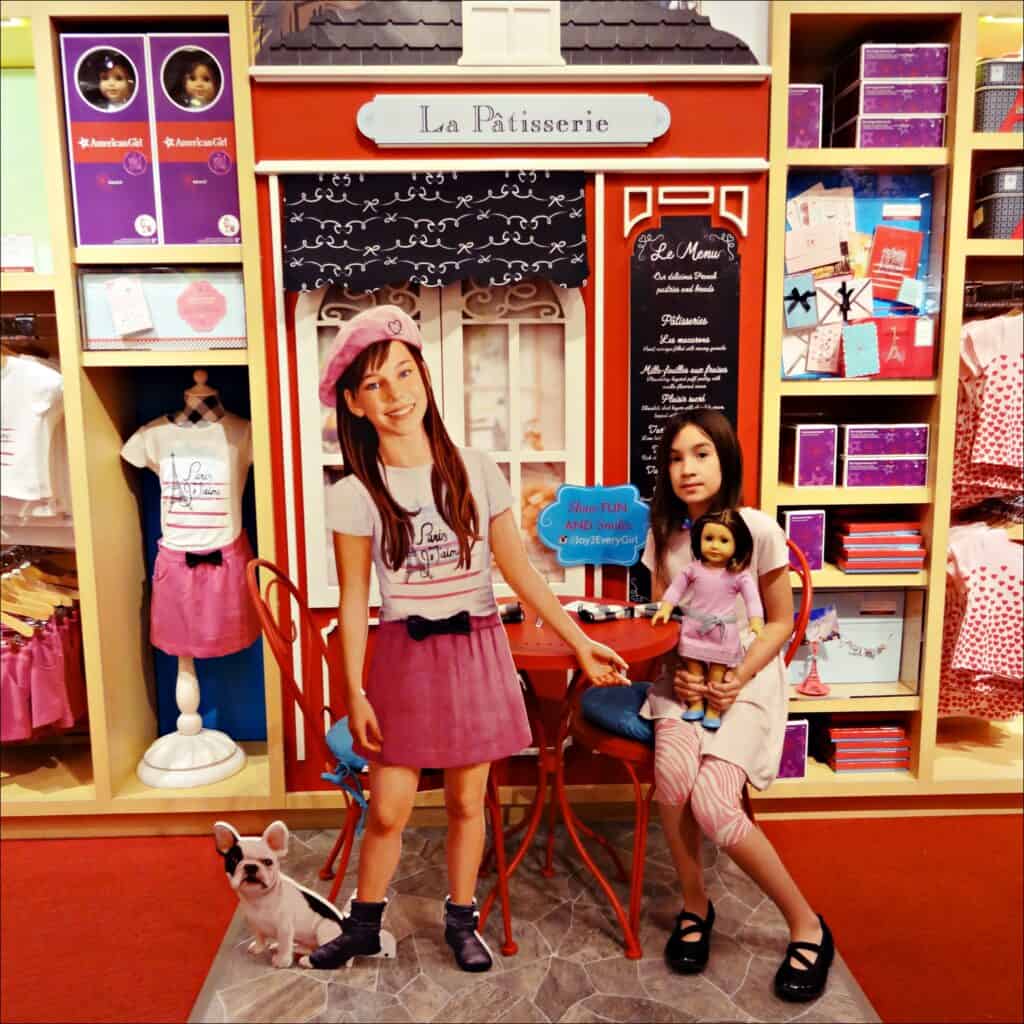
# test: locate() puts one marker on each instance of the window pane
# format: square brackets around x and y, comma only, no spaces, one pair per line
[485,372]
[331,476]
[540,483]
[542,386]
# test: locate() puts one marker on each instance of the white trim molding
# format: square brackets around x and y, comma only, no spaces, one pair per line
[431,74]
[591,165]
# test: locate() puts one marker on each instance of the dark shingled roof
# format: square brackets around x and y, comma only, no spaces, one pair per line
[417,32]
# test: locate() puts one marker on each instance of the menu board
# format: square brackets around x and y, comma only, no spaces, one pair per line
[684,332]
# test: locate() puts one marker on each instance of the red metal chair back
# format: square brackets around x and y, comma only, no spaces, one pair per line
[286,621]
[803,570]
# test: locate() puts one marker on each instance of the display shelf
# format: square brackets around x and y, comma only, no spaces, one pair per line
[997,140]
[830,577]
[898,696]
[46,775]
[204,357]
[994,247]
[28,282]
[246,790]
[857,388]
[808,497]
[991,754]
[85,255]
[820,781]
[923,156]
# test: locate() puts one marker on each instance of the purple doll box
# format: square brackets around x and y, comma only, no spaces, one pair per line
[805,109]
[885,60]
[195,135]
[106,103]
[805,527]
[892,132]
[885,439]
[874,98]
[809,454]
[878,471]
[793,764]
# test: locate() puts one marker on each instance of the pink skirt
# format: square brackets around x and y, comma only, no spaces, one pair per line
[203,611]
[446,701]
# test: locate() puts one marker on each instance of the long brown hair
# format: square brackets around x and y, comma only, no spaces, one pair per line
[449,481]
[668,510]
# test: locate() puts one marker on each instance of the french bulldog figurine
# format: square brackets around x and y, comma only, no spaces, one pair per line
[278,909]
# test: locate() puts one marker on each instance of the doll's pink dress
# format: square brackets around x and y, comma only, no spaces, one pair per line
[709,631]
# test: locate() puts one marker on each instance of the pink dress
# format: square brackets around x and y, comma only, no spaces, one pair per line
[710,631]
[983,636]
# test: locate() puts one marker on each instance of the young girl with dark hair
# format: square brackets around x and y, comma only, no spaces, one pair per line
[442,691]
[700,775]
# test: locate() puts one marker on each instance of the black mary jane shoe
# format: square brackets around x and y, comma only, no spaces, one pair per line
[801,986]
[690,957]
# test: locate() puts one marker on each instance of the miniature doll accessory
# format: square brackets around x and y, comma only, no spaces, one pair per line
[382,323]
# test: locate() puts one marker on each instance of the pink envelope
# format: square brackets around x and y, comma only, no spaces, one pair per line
[807,248]
[823,348]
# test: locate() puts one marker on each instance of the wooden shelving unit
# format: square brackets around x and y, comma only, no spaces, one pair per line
[95,783]
[984,762]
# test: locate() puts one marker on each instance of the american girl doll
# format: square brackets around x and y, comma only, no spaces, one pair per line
[116,80]
[442,691]
[700,775]
[722,547]
[200,83]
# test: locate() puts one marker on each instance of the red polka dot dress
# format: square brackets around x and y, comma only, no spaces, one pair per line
[982,672]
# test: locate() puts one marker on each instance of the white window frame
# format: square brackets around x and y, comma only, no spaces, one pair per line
[511,33]
[441,321]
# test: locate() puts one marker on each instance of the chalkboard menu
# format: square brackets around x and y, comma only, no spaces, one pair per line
[684,332]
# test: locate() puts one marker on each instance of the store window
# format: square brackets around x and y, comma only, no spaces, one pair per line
[500,358]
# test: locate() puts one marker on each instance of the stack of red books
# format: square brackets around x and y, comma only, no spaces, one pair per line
[862,546]
[869,748]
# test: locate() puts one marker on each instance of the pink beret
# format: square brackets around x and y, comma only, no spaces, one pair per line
[381,323]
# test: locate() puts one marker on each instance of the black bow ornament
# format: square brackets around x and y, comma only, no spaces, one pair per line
[798,298]
[194,558]
[420,628]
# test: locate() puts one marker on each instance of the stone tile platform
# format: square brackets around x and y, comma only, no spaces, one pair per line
[569,966]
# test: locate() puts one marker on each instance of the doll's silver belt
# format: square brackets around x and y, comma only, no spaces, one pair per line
[709,622]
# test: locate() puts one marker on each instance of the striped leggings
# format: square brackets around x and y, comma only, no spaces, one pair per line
[713,787]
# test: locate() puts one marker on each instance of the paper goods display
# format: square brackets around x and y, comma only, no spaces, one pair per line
[865,244]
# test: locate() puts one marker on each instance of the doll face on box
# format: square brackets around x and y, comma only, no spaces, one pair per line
[116,85]
[200,84]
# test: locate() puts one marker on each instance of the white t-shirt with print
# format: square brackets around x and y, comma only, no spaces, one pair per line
[202,469]
[430,583]
[31,406]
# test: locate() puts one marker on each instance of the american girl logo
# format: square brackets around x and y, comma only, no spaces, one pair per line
[110,145]
[191,143]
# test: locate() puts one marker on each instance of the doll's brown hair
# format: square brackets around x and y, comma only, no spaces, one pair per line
[449,481]
[731,519]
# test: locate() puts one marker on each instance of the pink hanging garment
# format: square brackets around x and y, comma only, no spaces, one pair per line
[15,708]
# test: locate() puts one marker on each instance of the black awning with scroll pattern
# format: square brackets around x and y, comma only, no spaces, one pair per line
[365,231]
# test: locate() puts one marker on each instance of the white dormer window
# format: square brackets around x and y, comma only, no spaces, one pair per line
[525,33]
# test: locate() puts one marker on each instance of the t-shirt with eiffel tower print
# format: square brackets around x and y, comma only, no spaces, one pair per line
[430,583]
[202,469]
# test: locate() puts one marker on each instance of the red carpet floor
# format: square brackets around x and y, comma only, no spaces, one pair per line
[926,911]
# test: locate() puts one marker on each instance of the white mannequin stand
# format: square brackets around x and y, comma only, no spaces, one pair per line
[191,756]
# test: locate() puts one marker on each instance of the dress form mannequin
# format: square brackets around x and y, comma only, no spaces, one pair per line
[192,755]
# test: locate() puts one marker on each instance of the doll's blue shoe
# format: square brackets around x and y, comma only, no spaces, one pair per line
[712,721]
[693,715]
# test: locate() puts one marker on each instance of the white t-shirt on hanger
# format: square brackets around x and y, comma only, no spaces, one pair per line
[202,469]
[31,405]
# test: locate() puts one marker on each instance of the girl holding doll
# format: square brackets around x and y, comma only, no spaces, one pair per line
[442,690]
[699,774]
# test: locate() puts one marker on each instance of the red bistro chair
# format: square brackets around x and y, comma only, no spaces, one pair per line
[633,755]
[293,623]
